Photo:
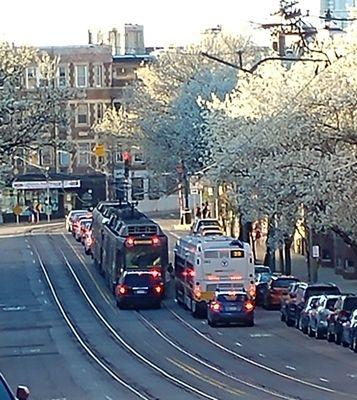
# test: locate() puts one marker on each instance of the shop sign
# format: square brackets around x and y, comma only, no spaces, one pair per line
[45,185]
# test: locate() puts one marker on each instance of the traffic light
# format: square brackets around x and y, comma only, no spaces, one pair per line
[127,160]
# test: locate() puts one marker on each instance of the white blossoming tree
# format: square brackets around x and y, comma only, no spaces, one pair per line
[287,138]
[27,116]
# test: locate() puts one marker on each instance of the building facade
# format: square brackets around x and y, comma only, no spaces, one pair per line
[338,9]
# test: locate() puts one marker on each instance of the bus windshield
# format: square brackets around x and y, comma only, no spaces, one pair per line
[142,257]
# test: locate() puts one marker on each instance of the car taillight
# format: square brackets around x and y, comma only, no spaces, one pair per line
[252,290]
[122,289]
[249,305]
[129,242]
[215,306]
[155,241]
[158,289]
[343,315]
[155,273]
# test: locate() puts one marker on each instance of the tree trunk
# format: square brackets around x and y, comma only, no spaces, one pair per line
[281,260]
[269,258]
[287,251]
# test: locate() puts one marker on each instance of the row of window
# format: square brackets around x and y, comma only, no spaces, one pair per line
[34,79]
[45,156]
[82,113]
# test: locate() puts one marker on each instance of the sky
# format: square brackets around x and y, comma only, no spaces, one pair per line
[166,22]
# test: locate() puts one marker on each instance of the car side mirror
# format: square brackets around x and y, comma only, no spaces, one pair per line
[22,393]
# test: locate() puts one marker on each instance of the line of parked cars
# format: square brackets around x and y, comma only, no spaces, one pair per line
[319,310]
[79,223]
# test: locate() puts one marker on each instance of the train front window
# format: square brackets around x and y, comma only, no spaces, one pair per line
[142,257]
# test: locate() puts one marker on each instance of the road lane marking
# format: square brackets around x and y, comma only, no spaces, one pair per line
[205,378]
[14,308]
[34,261]
[31,252]
[290,367]
[80,340]
[324,380]
[248,360]
[219,333]
[174,235]
[239,344]
[120,339]
[262,355]
[260,335]
[104,295]
[212,367]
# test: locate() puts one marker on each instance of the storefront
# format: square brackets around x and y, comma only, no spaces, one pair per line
[54,196]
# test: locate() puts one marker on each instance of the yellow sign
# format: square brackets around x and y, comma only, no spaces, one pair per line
[17,210]
[99,150]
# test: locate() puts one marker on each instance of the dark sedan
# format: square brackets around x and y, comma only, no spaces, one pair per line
[140,289]
[230,307]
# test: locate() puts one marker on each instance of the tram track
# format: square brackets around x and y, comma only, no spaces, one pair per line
[213,367]
[100,361]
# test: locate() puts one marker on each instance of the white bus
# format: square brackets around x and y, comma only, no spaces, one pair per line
[204,264]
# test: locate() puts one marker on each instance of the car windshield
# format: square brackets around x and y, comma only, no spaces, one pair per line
[263,277]
[142,257]
[232,298]
[330,304]
[140,279]
[87,223]
[283,282]
[261,270]
[313,291]
[350,304]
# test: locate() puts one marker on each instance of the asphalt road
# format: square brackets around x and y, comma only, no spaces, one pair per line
[158,354]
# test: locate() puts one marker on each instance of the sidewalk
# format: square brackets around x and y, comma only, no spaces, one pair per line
[16,229]
[325,275]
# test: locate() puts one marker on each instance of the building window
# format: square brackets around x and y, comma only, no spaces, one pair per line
[119,155]
[31,78]
[100,112]
[138,158]
[46,156]
[137,188]
[81,75]
[84,153]
[82,114]
[98,75]
[62,76]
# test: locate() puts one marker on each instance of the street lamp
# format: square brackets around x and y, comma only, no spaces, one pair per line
[46,175]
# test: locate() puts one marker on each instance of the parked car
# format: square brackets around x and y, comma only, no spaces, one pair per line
[347,330]
[344,307]
[288,298]
[85,227]
[230,307]
[318,316]
[211,222]
[77,220]
[210,231]
[70,217]
[140,289]
[353,332]
[88,243]
[311,304]
[22,392]
[276,287]
[84,223]
[303,293]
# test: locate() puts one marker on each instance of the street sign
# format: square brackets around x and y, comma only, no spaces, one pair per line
[194,191]
[17,210]
[99,150]
[315,251]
